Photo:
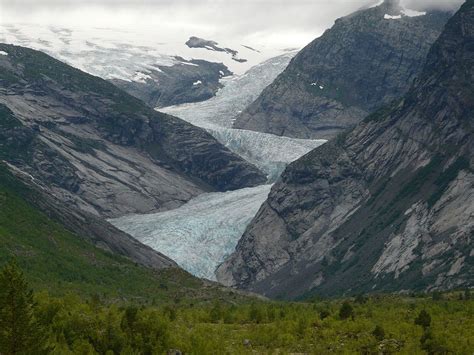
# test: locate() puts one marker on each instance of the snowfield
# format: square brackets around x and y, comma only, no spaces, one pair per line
[238,92]
[114,53]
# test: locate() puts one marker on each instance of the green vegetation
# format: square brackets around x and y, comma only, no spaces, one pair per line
[20,333]
[379,324]
[59,261]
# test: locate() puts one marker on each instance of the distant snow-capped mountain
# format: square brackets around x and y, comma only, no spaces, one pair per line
[161,69]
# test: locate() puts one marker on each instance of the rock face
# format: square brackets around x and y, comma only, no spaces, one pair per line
[196,42]
[364,61]
[388,206]
[186,81]
[84,225]
[98,148]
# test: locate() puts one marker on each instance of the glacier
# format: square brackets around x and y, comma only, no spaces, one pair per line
[268,152]
[237,93]
[200,234]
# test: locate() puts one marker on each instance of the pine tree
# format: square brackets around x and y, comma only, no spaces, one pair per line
[19,332]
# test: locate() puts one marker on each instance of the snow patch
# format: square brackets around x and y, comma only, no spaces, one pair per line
[141,77]
[196,83]
[190,64]
[412,13]
[390,17]
[3,53]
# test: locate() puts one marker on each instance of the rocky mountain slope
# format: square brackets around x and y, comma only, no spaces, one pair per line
[98,148]
[388,206]
[182,82]
[19,194]
[365,60]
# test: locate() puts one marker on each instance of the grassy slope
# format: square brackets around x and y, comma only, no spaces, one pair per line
[56,260]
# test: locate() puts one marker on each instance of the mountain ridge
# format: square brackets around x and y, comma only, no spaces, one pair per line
[366,60]
[385,207]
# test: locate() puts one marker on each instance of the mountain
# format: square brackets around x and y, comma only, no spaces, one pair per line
[387,206]
[182,82]
[364,61]
[70,252]
[101,150]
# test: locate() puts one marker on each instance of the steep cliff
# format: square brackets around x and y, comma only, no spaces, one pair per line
[364,61]
[388,206]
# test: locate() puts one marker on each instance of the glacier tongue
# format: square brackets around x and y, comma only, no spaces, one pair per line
[200,234]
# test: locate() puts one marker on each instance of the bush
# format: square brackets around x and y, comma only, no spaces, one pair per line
[379,333]
[323,314]
[346,311]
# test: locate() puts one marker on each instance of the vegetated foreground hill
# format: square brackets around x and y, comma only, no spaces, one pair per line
[98,148]
[364,61]
[62,251]
[388,206]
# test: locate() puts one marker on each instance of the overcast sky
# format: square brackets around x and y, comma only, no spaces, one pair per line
[286,22]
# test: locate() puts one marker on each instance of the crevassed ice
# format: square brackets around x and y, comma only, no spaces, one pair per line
[268,152]
[238,92]
[200,234]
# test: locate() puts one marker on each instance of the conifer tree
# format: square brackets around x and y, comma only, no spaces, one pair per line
[19,332]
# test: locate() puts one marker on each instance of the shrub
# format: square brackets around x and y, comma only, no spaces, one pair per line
[346,311]
[379,333]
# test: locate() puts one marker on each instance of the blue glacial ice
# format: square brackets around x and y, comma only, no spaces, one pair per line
[200,234]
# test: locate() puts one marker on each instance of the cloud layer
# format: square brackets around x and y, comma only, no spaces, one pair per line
[281,22]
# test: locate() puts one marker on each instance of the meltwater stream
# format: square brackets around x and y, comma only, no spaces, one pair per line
[202,233]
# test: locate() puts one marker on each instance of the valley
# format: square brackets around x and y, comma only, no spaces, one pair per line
[241,177]
[202,233]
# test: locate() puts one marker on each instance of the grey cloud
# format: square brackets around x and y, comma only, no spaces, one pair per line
[228,17]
